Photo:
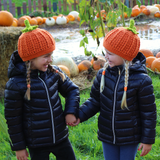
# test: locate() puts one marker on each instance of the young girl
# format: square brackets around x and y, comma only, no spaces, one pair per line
[33,108]
[123,93]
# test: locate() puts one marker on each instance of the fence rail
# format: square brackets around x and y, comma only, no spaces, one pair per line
[59,7]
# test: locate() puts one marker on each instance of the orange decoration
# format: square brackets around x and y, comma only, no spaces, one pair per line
[135,12]
[149,61]
[65,69]
[146,52]
[156,65]
[39,20]
[6,18]
[125,88]
[33,21]
[158,55]
[21,21]
[146,11]
[84,65]
[157,14]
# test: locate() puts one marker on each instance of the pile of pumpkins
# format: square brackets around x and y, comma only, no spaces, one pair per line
[71,69]
[7,19]
[152,62]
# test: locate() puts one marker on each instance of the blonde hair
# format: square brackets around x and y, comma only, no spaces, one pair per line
[102,83]
[28,66]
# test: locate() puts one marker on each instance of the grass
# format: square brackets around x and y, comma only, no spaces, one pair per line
[84,136]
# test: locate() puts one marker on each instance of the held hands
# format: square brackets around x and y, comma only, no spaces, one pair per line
[145,148]
[71,120]
[22,154]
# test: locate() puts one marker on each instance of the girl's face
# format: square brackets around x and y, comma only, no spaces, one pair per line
[41,63]
[113,59]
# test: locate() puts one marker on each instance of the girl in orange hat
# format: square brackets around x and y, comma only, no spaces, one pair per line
[33,108]
[123,94]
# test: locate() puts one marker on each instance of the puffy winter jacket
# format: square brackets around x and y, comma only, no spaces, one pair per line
[116,126]
[39,122]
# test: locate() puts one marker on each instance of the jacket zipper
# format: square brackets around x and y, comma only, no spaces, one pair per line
[50,107]
[113,115]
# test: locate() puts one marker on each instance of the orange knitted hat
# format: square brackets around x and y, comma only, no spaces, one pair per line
[123,41]
[34,42]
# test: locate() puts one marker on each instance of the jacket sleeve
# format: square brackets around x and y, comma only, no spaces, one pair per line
[70,92]
[13,102]
[147,107]
[92,105]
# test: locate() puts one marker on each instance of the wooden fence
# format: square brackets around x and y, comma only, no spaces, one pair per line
[59,7]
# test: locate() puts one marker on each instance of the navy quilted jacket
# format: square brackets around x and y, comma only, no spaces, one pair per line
[116,126]
[39,122]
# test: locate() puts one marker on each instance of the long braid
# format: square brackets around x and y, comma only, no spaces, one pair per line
[52,69]
[28,66]
[102,84]
[124,98]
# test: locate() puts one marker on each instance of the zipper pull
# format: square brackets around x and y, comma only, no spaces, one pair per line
[119,72]
[38,73]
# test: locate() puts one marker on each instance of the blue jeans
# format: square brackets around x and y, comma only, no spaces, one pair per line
[115,152]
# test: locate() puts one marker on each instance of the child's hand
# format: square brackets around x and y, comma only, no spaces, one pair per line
[71,120]
[145,148]
[22,154]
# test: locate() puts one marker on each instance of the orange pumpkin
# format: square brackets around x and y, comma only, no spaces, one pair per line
[39,20]
[28,17]
[135,12]
[103,14]
[98,62]
[149,61]
[156,65]
[125,15]
[14,24]
[146,11]
[55,17]
[146,52]
[158,55]
[97,57]
[6,18]
[78,18]
[44,19]
[21,21]
[142,7]
[157,14]
[65,70]
[33,21]
[157,5]
[67,19]
[84,65]
[71,17]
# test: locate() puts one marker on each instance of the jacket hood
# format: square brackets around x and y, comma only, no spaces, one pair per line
[16,65]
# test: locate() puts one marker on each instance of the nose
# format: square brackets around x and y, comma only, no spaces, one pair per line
[50,59]
[106,56]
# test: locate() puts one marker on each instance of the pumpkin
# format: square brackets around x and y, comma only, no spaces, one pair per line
[96,57]
[78,18]
[125,15]
[157,5]
[135,12]
[146,52]
[33,21]
[153,9]
[156,65]
[142,7]
[98,62]
[103,14]
[55,17]
[146,11]
[50,21]
[74,13]
[149,61]
[157,14]
[84,65]
[14,24]
[44,20]
[69,63]
[70,17]
[64,69]
[61,20]
[6,18]
[21,21]
[39,20]
[28,17]
[158,55]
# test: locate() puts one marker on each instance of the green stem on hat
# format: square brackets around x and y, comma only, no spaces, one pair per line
[28,27]
[132,27]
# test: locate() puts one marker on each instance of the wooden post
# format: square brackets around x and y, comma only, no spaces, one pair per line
[29,6]
[19,11]
[59,5]
[13,9]
[64,5]
[44,5]
[50,6]
[24,8]
[141,2]
[70,7]
[4,4]
[134,3]
[146,2]
[39,5]
[10,6]
[34,5]
[75,5]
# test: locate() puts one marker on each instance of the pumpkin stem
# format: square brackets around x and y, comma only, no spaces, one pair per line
[28,27]
[132,27]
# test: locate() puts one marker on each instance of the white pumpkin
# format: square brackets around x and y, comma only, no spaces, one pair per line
[153,9]
[69,63]
[50,21]
[61,20]
[75,14]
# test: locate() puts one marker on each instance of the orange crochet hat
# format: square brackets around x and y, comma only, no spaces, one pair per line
[34,42]
[123,41]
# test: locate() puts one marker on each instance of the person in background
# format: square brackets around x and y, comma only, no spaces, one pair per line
[33,108]
[123,94]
